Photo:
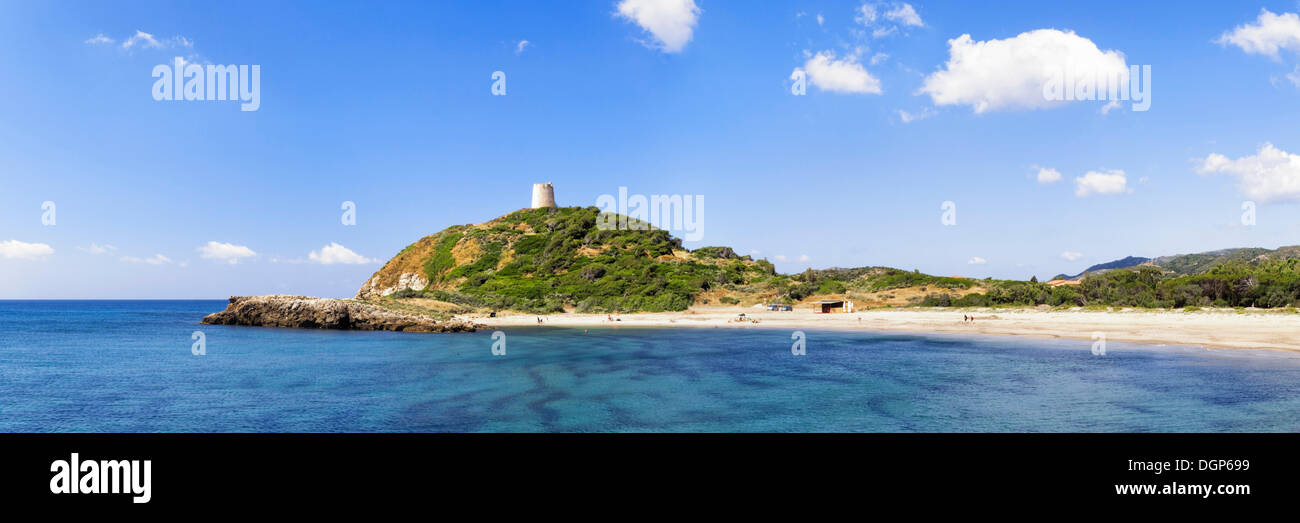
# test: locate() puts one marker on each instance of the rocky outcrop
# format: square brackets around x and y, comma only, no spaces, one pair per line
[305,312]
[374,288]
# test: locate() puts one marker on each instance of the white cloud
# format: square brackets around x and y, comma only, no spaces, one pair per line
[1072,255]
[820,19]
[156,259]
[845,75]
[1294,76]
[1048,175]
[804,258]
[98,249]
[671,22]
[1012,73]
[1270,175]
[878,57]
[895,16]
[337,254]
[142,39]
[976,260]
[754,252]
[866,14]
[519,47]
[15,249]
[227,252]
[1269,34]
[99,39]
[907,117]
[781,258]
[1101,182]
[904,14]
[145,40]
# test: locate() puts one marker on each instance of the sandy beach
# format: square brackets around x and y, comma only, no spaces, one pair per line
[1226,328]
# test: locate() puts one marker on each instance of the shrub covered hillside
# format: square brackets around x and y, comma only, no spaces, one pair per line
[544,260]
[555,259]
[1268,283]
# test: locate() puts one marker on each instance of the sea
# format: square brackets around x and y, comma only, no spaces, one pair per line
[149,366]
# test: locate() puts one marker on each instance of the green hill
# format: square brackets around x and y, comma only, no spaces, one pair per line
[557,259]
[1187,264]
[544,260]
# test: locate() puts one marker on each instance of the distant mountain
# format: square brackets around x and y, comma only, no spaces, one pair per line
[1184,264]
[1130,261]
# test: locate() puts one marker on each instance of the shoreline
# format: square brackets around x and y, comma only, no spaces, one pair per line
[1209,329]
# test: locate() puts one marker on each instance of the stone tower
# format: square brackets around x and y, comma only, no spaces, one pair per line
[543,195]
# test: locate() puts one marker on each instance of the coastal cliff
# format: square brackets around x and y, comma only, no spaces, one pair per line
[306,312]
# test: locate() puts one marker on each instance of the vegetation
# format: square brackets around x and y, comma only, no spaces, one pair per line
[1270,284]
[553,259]
[541,260]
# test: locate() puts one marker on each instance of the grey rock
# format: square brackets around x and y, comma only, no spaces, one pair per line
[305,312]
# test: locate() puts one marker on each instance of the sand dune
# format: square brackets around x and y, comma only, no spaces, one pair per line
[1215,329]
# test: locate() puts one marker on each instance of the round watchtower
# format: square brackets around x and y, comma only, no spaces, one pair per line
[543,195]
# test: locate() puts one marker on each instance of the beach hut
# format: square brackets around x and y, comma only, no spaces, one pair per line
[828,306]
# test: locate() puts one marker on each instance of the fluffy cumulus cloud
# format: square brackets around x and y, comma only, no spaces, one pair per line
[976,260]
[1269,34]
[1101,182]
[1269,175]
[337,254]
[226,252]
[14,249]
[670,22]
[1071,255]
[1048,175]
[1015,73]
[844,75]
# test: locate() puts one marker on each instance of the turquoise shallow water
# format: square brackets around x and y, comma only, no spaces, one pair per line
[126,366]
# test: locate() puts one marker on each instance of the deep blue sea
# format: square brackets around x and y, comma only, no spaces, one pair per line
[127,366]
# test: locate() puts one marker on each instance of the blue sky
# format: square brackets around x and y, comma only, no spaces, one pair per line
[390,106]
